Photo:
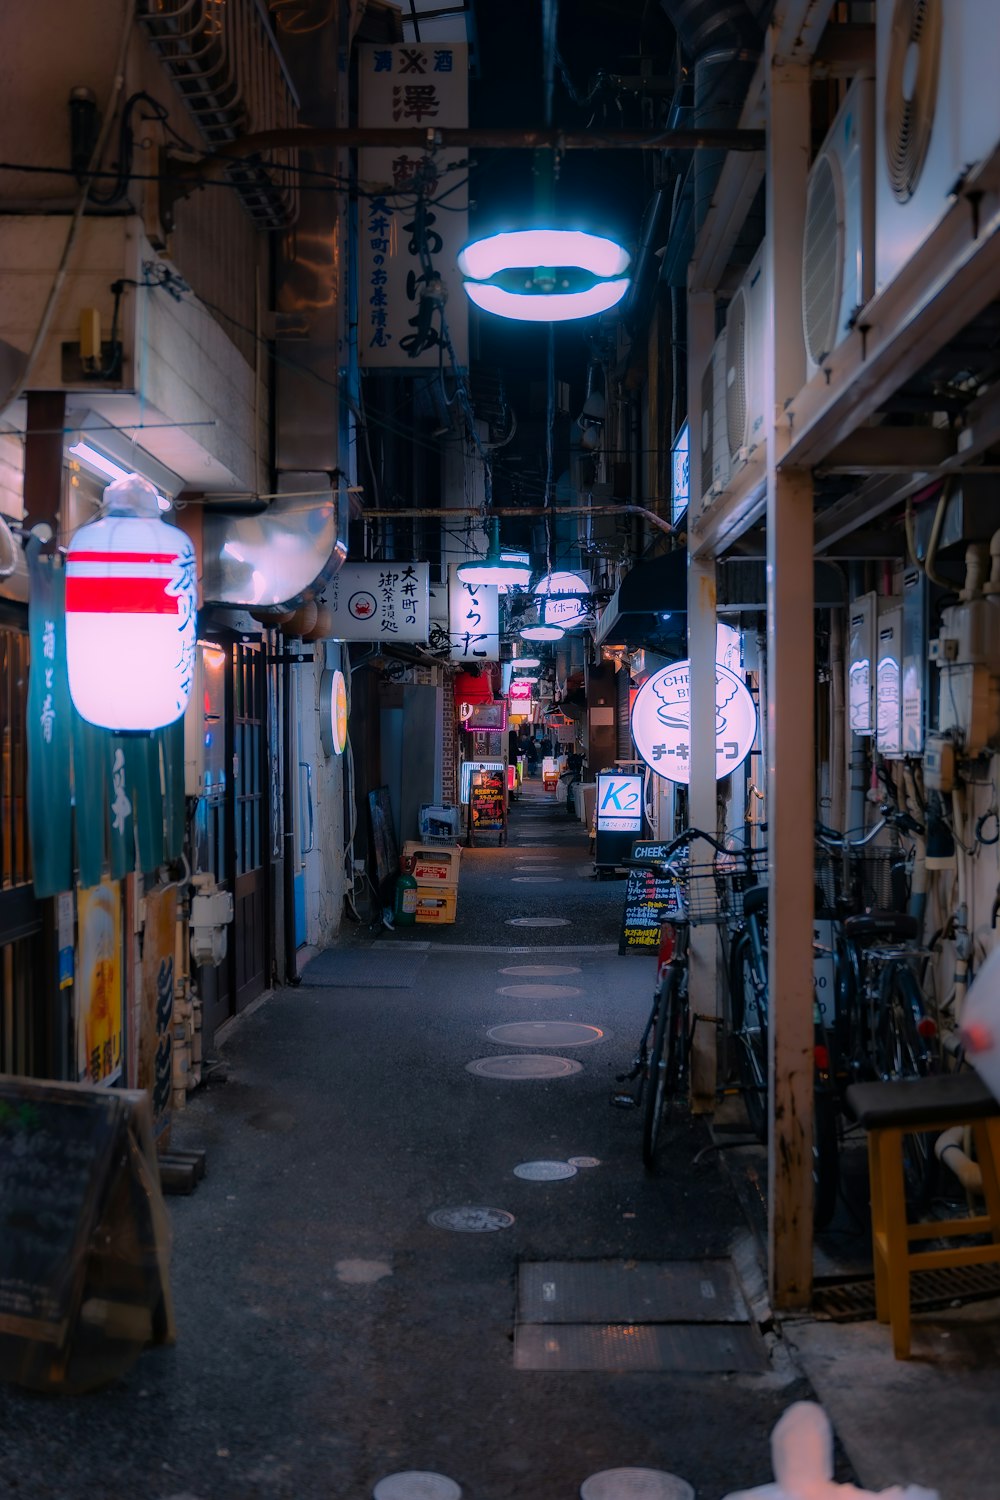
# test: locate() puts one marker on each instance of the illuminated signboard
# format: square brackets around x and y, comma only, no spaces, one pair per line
[333,712]
[661,721]
[619,803]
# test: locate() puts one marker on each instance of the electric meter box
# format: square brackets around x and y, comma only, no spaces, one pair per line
[889,677]
[914,693]
[861,654]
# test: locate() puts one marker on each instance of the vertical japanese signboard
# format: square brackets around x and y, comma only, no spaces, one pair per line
[157,1002]
[387,601]
[413,86]
[49,718]
[473,619]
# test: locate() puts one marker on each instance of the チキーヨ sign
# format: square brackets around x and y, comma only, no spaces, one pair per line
[661,721]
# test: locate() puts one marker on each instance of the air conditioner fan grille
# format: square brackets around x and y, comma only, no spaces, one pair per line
[822,260]
[736,373]
[911,92]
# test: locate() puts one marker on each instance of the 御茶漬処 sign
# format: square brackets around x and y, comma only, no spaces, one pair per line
[380,602]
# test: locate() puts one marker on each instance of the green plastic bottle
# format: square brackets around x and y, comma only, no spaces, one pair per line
[404,912]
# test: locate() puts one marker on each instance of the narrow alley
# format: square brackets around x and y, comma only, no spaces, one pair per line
[331,1333]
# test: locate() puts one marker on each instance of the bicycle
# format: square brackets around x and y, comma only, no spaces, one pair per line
[749,999]
[662,1061]
[881,1027]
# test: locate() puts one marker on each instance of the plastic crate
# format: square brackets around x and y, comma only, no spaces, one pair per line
[435,865]
[437,904]
[439,824]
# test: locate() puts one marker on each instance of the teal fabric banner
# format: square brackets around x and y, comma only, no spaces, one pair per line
[50,826]
[118,798]
[90,753]
[174,811]
[142,764]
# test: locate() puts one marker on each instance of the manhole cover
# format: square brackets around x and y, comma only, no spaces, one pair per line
[544,1171]
[537,921]
[545,1034]
[536,880]
[471,1220]
[540,969]
[416,1484]
[524,1065]
[584,1161]
[635,1484]
[539,991]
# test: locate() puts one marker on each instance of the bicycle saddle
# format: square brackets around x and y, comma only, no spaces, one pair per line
[754,900]
[895,926]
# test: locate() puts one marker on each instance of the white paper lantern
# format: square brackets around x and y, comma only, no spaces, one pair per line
[131,607]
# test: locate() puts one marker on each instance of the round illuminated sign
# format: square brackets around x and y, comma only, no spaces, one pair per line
[661,721]
[333,712]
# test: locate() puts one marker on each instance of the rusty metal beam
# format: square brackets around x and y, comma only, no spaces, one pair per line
[514,512]
[891,450]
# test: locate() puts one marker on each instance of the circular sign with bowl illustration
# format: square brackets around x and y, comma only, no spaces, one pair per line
[661,721]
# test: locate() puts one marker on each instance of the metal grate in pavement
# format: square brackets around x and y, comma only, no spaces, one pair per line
[854,1301]
[702,1347]
[606,1291]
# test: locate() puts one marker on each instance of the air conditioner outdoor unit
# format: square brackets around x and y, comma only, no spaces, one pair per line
[937,115]
[714,443]
[838,270]
[745,354]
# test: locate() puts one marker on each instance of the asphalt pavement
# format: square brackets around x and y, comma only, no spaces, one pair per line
[426,1246]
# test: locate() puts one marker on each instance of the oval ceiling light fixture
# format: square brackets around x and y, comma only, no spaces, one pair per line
[493,568]
[545,275]
[525,663]
[541,633]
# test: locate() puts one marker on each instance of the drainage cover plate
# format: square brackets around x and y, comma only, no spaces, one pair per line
[544,1171]
[537,921]
[540,991]
[628,1292]
[707,1348]
[524,1065]
[416,1484]
[471,1220]
[540,969]
[635,1484]
[545,1034]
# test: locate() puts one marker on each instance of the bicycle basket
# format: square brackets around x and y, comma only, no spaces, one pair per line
[712,893]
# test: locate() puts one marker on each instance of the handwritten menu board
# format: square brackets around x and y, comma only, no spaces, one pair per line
[84,1235]
[648,900]
[487,804]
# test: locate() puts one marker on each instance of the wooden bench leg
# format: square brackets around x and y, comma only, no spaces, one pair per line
[878,1228]
[986,1134]
[897,1241]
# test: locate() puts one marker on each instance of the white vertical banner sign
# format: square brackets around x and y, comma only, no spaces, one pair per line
[414,86]
[385,601]
[473,619]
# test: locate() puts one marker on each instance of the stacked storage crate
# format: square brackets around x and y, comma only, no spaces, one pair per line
[436,869]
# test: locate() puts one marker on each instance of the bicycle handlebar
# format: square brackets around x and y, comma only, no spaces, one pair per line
[683,841]
[890,817]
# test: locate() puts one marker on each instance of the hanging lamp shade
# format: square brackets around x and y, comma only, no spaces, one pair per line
[493,568]
[131,613]
[541,632]
[545,275]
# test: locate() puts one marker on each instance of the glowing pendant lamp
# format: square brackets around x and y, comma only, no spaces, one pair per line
[525,663]
[541,632]
[131,613]
[493,568]
[545,275]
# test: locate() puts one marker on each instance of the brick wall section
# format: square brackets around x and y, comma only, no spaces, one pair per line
[449,747]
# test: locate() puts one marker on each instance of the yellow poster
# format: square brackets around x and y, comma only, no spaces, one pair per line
[99,1023]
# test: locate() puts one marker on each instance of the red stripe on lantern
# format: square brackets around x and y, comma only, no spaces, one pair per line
[120,596]
[122,557]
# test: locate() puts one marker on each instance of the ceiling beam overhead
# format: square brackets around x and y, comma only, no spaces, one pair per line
[891,450]
[796,28]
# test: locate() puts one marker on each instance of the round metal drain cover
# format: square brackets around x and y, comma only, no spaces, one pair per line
[538,922]
[524,1065]
[470,1221]
[536,880]
[544,1171]
[416,1484]
[540,991]
[584,1161]
[540,969]
[545,1034]
[635,1484]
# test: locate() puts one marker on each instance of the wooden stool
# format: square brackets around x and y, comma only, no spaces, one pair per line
[888,1111]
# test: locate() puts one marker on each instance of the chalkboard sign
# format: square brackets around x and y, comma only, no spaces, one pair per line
[84,1235]
[648,900]
[55,1154]
[384,843]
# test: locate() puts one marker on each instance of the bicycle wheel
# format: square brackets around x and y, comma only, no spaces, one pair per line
[666,1064]
[901,1054]
[750,1025]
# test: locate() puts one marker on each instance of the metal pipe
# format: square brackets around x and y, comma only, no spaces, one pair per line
[513,512]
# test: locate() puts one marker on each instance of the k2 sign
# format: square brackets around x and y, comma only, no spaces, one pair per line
[619,804]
